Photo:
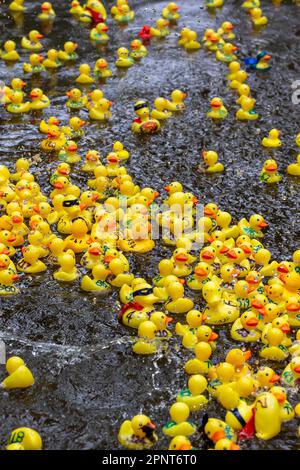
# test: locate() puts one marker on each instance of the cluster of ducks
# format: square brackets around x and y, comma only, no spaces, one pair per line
[148,122]
[253,8]
[269,173]
[14,98]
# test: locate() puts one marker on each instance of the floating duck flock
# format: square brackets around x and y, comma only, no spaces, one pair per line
[233,273]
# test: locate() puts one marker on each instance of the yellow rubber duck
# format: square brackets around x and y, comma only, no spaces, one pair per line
[161,30]
[67,271]
[119,149]
[98,282]
[182,262]
[124,60]
[36,238]
[79,240]
[177,100]
[286,410]
[245,328]
[138,49]
[32,42]
[269,173]
[294,168]
[247,112]
[257,17]
[52,62]
[192,396]
[201,275]
[139,303]
[266,377]
[47,13]
[202,363]
[234,67]
[160,111]
[291,374]
[101,112]
[101,69]
[250,4]
[273,140]
[253,228]
[93,256]
[99,35]
[238,412]
[178,303]
[146,342]
[74,129]
[143,123]
[7,277]
[9,54]
[292,308]
[217,311]
[179,426]
[69,153]
[194,319]
[267,418]
[137,434]
[170,13]
[94,11]
[44,126]
[243,92]
[76,99]
[226,54]
[19,376]
[76,9]
[238,359]
[24,439]
[7,239]
[226,30]
[35,65]
[218,110]
[222,375]
[17,84]
[56,140]
[165,268]
[211,163]
[56,247]
[215,429]
[240,77]
[191,43]
[226,444]
[18,228]
[180,443]
[17,6]
[123,15]
[68,54]
[274,349]
[84,78]
[92,161]
[38,100]
[17,105]
[30,263]
[118,270]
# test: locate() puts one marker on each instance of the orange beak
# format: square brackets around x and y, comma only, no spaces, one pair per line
[108,258]
[185,447]
[69,94]
[82,206]
[95,251]
[167,188]
[41,58]
[58,185]
[293,307]
[247,355]
[33,94]
[181,258]
[95,197]
[209,212]
[2,264]
[39,36]
[263,224]
[267,57]
[282,269]
[15,277]
[72,148]
[36,209]
[231,254]
[200,272]
[285,328]
[82,123]
[272,167]
[207,255]
[12,238]
[16,219]
[297,369]
[246,249]
[169,320]
[218,435]
[252,322]
[64,171]
[275,378]
[224,249]
[213,336]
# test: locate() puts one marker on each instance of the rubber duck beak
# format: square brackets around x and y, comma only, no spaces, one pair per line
[181,258]
[36,209]
[252,322]
[207,255]
[12,238]
[231,254]
[282,269]
[108,258]
[234,48]
[285,328]
[275,378]
[247,355]
[200,272]
[293,307]
[182,281]
[5,251]
[213,337]
[263,224]
[41,58]
[104,28]
[82,123]
[58,185]
[23,84]
[16,219]
[82,206]
[39,36]
[95,197]
[267,57]
[224,249]
[234,446]
[175,8]
[72,148]
[95,251]
[195,200]
[246,249]
[215,103]
[218,435]
[156,194]
[2,265]
[297,369]
[14,277]
[33,94]
[69,94]
[185,447]
[167,188]
[272,167]
[169,320]
[209,212]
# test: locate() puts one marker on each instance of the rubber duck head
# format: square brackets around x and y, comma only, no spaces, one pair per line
[228,272]
[74,94]
[173,7]
[84,69]
[7,238]
[234,66]
[30,253]
[215,429]
[179,412]
[180,443]
[79,228]
[226,444]
[70,204]
[17,84]
[142,426]
[101,63]
[228,397]
[279,393]
[202,270]
[204,333]
[143,294]
[229,48]
[70,47]
[211,210]
[292,304]
[237,357]
[295,367]
[104,105]
[249,320]
[274,291]
[4,261]
[35,35]
[225,371]
[274,336]
[141,109]
[136,44]
[96,95]
[245,386]
[244,90]
[272,311]
[56,246]
[9,46]
[35,59]
[123,53]
[61,183]
[17,97]
[63,169]
[88,199]
[208,254]
[210,157]
[257,222]
[270,166]
[177,95]
[256,13]
[101,28]
[197,384]
[203,351]
[52,54]
[174,187]
[266,377]
[165,267]
[162,23]
[247,104]
[227,27]
[16,218]
[211,292]
[93,156]
[76,123]
[195,318]
[46,7]
[223,218]
[216,103]
[147,330]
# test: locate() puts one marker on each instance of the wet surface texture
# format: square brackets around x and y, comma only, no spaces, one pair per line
[87,379]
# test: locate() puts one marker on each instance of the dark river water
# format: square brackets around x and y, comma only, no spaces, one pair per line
[87,378]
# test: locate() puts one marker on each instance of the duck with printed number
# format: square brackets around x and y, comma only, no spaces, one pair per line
[144,123]
[101,112]
[201,364]
[137,434]
[138,303]
[226,54]
[218,311]
[7,280]
[35,65]
[96,283]
[69,153]
[9,54]
[192,396]
[246,112]
[79,240]
[124,60]
[30,263]
[162,30]
[75,99]
[253,228]
[218,110]
[68,54]
[32,42]
[274,349]
[16,104]
[99,35]
[67,271]
[39,100]
[269,173]
[260,63]
[101,69]
[52,62]
[171,13]
[179,424]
